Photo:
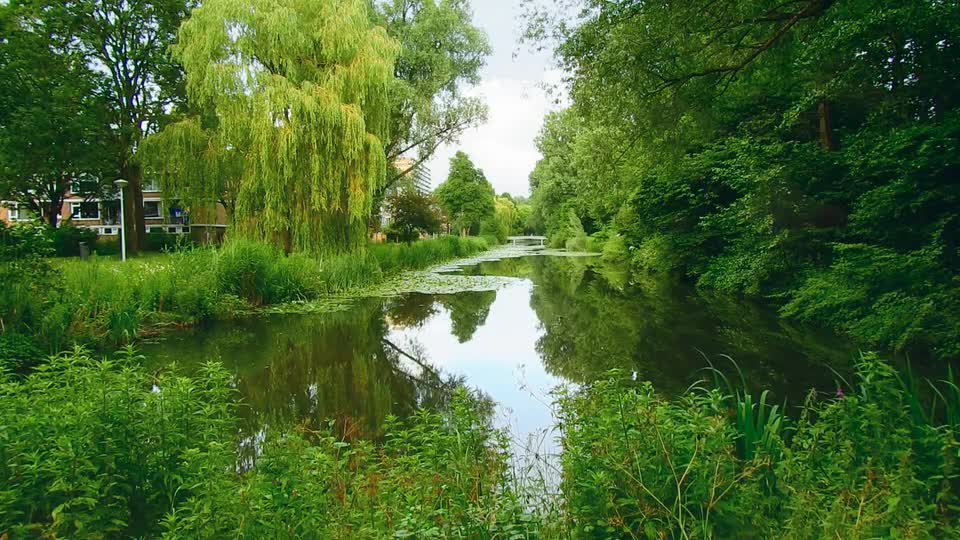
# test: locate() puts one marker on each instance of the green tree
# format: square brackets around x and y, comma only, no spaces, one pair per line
[412,213]
[194,162]
[302,89]
[53,119]
[501,222]
[466,196]
[791,150]
[440,57]
[128,42]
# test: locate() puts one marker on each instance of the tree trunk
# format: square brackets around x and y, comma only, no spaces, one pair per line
[825,116]
[53,211]
[133,223]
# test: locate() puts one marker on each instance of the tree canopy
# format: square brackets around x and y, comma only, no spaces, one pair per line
[466,196]
[301,89]
[54,120]
[441,54]
[801,150]
[412,213]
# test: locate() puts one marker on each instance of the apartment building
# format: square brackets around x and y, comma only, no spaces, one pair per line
[419,176]
[103,215]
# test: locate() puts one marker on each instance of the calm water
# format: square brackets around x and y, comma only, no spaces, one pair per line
[561,320]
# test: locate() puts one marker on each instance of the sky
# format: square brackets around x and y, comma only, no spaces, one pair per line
[503,147]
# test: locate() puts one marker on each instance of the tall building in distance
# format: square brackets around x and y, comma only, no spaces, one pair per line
[419,176]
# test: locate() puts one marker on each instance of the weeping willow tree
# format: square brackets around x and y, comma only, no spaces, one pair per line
[193,162]
[297,90]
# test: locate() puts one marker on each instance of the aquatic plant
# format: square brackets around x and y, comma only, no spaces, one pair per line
[106,301]
[860,466]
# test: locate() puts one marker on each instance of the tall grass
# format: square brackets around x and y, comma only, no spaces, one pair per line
[98,448]
[108,301]
[711,464]
[94,448]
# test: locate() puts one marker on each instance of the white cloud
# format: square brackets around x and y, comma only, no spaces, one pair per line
[503,146]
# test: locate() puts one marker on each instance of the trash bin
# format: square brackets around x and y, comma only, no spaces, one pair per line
[84,251]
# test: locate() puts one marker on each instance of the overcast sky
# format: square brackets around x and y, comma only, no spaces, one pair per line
[503,147]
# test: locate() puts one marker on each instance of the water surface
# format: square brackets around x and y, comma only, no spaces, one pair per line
[558,320]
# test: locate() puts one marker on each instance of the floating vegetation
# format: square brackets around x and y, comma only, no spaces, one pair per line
[320,305]
[433,282]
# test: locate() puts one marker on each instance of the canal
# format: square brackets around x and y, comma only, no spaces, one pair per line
[513,329]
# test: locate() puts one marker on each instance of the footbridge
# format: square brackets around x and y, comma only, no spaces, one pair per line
[527,240]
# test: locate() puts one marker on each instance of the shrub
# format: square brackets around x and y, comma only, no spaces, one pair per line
[68,237]
[18,352]
[615,249]
[245,268]
[164,241]
[107,246]
[102,300]
[26,274]
[709,464]
[884,298]
[96,448]
[440,475]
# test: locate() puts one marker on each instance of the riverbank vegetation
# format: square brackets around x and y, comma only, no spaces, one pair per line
[805,152]
[59,302]
[100,447]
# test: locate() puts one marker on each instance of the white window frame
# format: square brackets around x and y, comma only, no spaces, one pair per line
[75,211]
[15,212]
[159,209]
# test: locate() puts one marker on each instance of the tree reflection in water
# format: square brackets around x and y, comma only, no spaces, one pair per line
[344,366]
[309,370]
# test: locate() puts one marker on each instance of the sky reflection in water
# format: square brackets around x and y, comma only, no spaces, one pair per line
[560,320]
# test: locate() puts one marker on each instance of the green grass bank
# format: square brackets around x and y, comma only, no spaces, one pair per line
[59,302]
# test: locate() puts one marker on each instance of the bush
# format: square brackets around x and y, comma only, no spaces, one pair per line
[97,448]
[885,298]
[615,249]
[107,246]
[67,238]
[26,274]
[440,475]
[18,353]
[164,241]
[859,466]
[108,301]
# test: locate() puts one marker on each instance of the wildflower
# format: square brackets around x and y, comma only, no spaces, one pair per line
[840,393]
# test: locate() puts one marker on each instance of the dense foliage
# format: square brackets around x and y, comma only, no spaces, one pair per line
[805,151]
[54,122]
[466,196]
[297,95]
[412,214]
[70,301]
[440,57]
[101,448]
[860,465]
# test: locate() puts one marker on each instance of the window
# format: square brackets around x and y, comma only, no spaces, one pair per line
[15,213]
[85,210]
[151,185]
[151,209]
[83,186]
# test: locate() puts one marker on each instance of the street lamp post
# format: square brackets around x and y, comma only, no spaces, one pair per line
[121,183]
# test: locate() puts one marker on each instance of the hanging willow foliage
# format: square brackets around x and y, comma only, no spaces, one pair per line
[192,161]
[299,90]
